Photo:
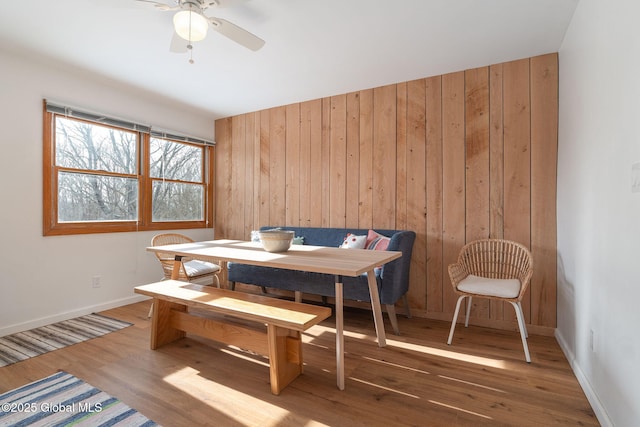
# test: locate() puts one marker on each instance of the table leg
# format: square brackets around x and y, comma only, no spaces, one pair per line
[339,334]
[177,265]
[375,307]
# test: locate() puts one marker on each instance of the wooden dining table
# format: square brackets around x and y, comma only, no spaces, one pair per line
[319,259]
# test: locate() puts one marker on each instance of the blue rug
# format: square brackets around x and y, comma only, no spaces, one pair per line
[63,400]
[23,345]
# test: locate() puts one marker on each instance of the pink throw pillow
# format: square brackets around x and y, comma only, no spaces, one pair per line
[376,241]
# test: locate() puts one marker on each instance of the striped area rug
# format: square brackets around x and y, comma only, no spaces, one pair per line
[64,400]
[23,345]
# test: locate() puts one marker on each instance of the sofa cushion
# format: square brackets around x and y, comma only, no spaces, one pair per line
[504,288]
[352,241]
[376,241]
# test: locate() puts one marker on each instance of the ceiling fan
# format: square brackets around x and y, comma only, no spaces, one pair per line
[191,24]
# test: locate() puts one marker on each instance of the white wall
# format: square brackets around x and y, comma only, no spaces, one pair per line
[45,279]
[598,215]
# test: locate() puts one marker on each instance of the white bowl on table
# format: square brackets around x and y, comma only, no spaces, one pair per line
[276,240]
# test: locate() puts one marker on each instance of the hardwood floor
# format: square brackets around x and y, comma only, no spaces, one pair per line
[417,380]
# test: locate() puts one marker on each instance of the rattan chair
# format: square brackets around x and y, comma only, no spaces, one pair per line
[495,269]
[191,270]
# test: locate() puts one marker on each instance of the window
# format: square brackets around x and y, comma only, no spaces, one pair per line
[105,175]
[176,181]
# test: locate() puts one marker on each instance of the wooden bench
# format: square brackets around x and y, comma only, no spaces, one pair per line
[284,320]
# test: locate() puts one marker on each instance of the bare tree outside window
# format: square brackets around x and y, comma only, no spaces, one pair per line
[177,174]
[97,177]
[97,172]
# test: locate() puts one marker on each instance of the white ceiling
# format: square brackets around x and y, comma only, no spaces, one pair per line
[314,48]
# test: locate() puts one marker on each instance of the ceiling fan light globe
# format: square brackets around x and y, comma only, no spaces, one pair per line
[190,26]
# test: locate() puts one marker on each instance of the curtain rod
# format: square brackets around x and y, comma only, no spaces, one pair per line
[81,113]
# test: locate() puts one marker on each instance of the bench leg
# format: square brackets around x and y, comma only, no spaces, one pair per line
[285,356]
[161,330]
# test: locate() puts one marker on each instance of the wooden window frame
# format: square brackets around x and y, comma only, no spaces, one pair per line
[51,226]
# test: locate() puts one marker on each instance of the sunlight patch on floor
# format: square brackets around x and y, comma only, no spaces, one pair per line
[460,409]
[313,344]
[472,384]
[384,388]
[478,360]
[238,352]
[395,365]
[444,377]
[223,399]
[319,330]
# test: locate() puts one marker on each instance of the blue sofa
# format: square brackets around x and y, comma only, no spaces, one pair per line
[392,278]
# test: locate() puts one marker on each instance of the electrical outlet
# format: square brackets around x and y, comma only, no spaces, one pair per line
[95,281]
[592,340]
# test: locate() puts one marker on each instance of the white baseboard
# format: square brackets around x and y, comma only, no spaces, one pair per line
[592,396]
[43,321]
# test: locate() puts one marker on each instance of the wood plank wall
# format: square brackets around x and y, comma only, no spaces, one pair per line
[456,157]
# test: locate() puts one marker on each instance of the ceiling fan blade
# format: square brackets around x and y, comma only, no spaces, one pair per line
[161,6]
[210,3]
[223,3]
[178,45]
[237,34]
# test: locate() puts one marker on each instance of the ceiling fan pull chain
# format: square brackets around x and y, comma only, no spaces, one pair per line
[190,46]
